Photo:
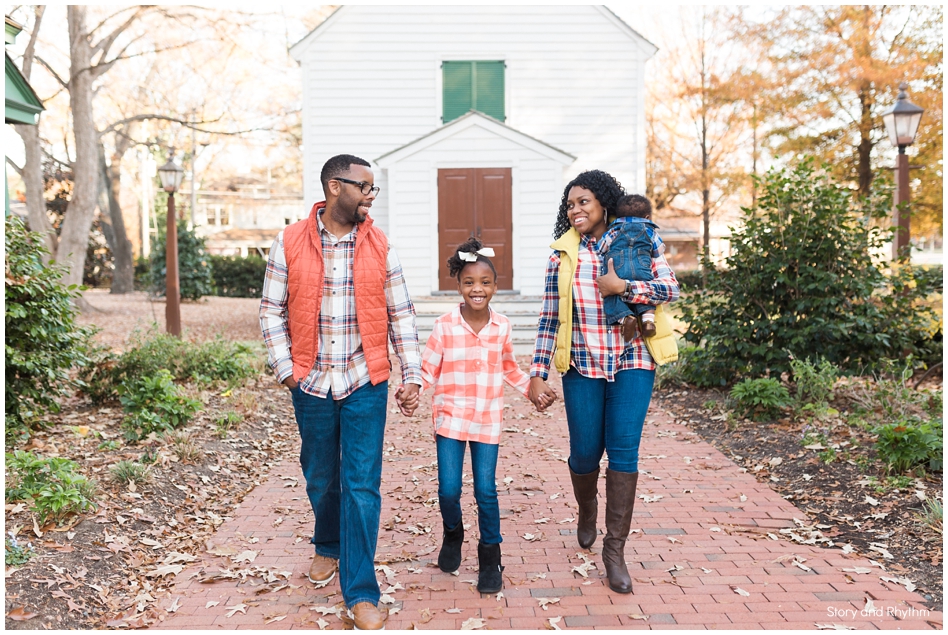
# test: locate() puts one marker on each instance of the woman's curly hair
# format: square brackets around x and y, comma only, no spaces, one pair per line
[604,187]
[456,265]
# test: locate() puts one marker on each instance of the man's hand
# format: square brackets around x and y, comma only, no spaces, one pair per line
[610,283]
[290,383]
[407,398]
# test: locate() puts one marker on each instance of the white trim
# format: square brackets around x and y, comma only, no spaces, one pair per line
[647,47]
[298,50]
[470,120]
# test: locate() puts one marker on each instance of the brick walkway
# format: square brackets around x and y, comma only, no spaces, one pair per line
[702,553]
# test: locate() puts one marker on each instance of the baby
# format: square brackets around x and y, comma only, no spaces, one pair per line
[631,252]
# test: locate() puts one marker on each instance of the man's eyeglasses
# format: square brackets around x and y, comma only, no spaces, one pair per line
[364,186]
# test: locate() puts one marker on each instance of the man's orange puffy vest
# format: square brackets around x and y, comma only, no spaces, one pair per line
[304,265]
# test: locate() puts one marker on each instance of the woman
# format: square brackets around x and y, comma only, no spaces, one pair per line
[607,381]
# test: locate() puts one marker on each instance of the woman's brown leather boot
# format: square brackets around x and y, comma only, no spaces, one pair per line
[586,489]
[620,499]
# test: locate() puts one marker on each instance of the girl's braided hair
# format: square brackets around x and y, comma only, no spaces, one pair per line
[604,187]
[456,265]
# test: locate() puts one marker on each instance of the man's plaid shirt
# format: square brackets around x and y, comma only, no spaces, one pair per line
[598,350]
[340,363]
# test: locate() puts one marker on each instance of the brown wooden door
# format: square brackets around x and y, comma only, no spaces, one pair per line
[478,202]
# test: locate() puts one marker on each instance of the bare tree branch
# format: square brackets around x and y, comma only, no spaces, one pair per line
[52,72]
[17,168]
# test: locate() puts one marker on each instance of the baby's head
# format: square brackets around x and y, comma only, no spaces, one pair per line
[634,205]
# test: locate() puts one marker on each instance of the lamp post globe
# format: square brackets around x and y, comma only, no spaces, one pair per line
[901,124]
[171,175]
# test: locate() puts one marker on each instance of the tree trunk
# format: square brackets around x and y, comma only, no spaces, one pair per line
[33,180]
[33,166]
[74,236]
[864,149]
[124,274]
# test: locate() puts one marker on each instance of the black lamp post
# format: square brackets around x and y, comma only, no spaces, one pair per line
[901,122]
[171,174]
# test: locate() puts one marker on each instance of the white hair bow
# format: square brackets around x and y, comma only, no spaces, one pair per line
[469,257]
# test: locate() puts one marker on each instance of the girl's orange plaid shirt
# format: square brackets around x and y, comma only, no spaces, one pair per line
[468,371]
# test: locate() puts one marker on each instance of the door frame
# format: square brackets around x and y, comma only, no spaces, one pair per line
[433,244]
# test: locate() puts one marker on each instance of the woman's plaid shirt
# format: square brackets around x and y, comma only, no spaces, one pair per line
[340,363]
[468,371]
[598,350]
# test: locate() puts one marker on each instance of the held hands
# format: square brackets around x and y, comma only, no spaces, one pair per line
[407,398]
[610,283]
[541,395]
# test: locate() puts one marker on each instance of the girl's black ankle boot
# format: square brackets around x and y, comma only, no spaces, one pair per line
[489,578]
[450,557]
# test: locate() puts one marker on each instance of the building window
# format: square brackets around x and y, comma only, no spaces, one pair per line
[218,215]
[475,85]
[223,217]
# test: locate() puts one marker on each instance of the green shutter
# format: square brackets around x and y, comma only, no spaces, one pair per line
[457,91]
[489,89]
[472,86]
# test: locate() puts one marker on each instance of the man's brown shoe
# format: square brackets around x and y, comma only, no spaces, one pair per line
[322,570]
[367,617]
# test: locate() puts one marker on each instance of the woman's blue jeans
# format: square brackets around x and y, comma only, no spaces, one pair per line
[341,457]
[484,466]
[606,416]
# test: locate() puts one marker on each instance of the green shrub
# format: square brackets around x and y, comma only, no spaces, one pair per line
[238,277]
[801,279]
[15,554]
[760,399]
[53,484]
[814,381]
[43,341]
[194,270]
[154,404]
[130,472]
[910,443]
[217,359]
[690,279]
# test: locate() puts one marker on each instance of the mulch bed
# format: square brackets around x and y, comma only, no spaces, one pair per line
[842,490]
[111,567]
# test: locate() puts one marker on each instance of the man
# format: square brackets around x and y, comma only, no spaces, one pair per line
[333,293]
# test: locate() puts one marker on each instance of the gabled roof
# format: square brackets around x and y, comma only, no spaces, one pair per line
[299,49]
[20,102]
[471,119]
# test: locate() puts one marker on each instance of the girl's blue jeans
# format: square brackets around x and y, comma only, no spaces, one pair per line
[606,416]
[341,457]
[484,466]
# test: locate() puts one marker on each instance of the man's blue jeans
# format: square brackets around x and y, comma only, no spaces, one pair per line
[484,466]
[606,416]
[341,457]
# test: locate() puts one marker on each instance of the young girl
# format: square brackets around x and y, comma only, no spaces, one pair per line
[468,357]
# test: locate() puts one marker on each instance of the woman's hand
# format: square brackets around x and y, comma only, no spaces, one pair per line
[610,283]
[541,395]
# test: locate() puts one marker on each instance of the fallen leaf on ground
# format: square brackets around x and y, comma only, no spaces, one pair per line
[473,623]
[211,603]
[175,605]
[740,591]
[237,608]
[554,624]
[18,614]
[454,611]
[274,618]
[165,570]
[245,556]
[871,500]
[638,616]
[835,627]
[908,584]
[859,570]
[544,601]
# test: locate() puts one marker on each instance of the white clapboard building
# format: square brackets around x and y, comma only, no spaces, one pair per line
[474,118]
